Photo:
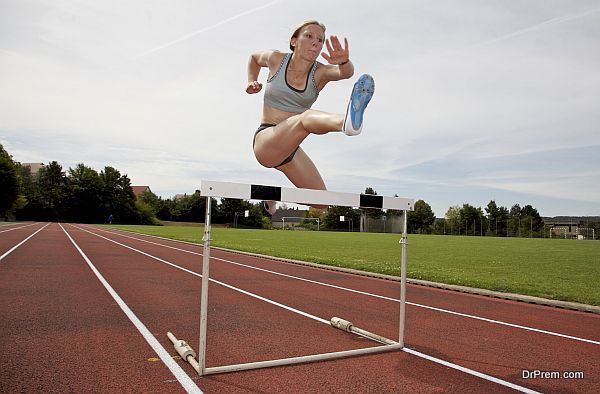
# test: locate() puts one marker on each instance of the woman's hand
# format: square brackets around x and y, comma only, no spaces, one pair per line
[253,87]
[337,55]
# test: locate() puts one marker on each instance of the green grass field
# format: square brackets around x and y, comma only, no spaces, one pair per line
[558,269]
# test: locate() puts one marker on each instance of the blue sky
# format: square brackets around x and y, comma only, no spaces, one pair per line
[475,100]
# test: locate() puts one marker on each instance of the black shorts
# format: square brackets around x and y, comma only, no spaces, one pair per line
[266,126]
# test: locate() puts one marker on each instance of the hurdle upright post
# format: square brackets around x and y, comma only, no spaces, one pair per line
[403,241]
[204,293]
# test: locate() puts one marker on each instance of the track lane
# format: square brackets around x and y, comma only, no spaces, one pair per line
[270,333]
[4,228]
[11,240]
[581,326]
[62,332]
[400,370]
[528,350]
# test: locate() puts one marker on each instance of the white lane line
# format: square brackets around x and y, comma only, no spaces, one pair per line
[182,377]
[469,371]
[499,322]
[324,321]
[16,228]
[22,242]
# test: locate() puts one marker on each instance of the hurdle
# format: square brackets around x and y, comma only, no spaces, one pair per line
[210,189]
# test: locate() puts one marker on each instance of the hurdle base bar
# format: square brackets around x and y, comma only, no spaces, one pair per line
[188,354]
[301,359]
[347,326]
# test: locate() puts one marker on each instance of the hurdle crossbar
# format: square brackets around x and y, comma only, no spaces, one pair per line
[211,189]
[302,196]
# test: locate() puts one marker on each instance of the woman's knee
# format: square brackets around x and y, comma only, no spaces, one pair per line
[306,117]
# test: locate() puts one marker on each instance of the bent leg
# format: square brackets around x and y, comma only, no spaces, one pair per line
[303,173]
[273,145]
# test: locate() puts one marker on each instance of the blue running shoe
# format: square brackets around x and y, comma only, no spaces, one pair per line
[361,95]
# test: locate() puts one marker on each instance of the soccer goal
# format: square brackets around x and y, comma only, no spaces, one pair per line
[583,233]
[300,222]
[558,230]
[216,189]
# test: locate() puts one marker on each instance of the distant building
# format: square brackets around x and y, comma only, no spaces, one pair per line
[182,196]
[571,227]
[34,168]
[137,190]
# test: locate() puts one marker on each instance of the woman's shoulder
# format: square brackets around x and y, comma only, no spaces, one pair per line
[274,60]
[276,56]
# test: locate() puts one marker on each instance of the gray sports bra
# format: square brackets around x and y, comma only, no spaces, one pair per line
[279,94]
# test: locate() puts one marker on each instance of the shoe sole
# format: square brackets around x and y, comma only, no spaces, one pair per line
[362,93]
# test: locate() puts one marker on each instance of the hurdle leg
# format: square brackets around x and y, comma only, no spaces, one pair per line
[204,292]
[403,241]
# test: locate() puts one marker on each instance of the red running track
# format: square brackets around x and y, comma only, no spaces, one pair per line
[62,330]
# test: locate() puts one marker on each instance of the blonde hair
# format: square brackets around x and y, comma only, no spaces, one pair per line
[302,26]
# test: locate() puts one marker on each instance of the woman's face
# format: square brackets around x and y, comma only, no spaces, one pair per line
[309,42]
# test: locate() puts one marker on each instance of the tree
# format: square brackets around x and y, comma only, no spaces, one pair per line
[421,218]
[514,221]
[531,221]
[453,220]
[471,219]
[9,188]
[256,215]
[331,219]
[315,213]
[192,208]
[84,190]
[50,190]
[497,219]
[227,209]
[502,222]
[232,208]
[117,198]
[152,200]
[28,203]
[439,226]
[163,209]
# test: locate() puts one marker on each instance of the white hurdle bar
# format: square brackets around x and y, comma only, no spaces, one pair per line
[243,191]
[240,191]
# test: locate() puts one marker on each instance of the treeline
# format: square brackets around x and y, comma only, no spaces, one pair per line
[191,209]
[83,195]
[495,221]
